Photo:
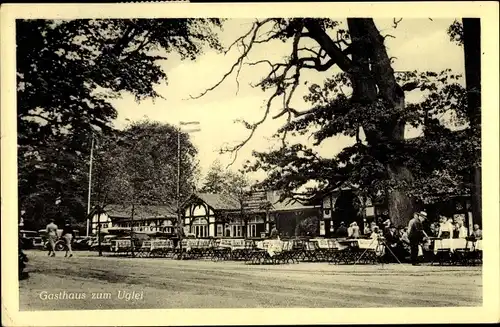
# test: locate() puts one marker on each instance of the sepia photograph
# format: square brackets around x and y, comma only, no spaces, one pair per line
[268,161]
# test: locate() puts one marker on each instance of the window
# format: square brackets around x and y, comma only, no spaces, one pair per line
[256,220]
[237,231]
[199,221]
[252,230]
[200,231]
[219,230]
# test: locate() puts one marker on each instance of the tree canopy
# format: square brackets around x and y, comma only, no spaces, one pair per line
[222,181]
[67,73]
[139,166]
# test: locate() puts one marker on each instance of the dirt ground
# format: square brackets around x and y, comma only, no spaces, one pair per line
[153,283]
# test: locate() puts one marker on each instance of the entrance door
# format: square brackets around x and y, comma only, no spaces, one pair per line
[347,210]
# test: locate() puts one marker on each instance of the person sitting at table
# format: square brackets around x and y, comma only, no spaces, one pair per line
[445,228]
[391,237]
[403,235]
[404,244]
[477,233]
[392,241]
[387,225]
[375,232]
[353,230]
[434,229]
[366,230]
[342,231]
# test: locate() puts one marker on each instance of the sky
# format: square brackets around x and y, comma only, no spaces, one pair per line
[418,44]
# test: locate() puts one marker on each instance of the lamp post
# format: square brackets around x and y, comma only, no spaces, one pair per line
[180,225]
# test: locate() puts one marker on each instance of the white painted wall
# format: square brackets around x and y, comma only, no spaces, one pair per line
[104,219]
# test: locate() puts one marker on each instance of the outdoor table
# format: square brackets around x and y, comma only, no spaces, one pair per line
[361,248]
[121,246]
[327,248]
[231,249]
[457,250]
[271,246]
[272,251]
[452,244]
[161,247]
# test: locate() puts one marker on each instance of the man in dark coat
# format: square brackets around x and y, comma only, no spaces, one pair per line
[342,231]
[416,234]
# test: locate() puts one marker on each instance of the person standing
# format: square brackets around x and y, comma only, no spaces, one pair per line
[274,232]
[353,230]
[462,230]
[52,237]
[416,234]
[68,235]
[445,228]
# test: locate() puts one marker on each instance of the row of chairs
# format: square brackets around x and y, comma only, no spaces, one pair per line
[264,252]
[284,252]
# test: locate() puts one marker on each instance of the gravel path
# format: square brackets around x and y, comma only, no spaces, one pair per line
[166,283]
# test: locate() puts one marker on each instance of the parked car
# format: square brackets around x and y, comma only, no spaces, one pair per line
[105,243]
[30,239]
[83,243]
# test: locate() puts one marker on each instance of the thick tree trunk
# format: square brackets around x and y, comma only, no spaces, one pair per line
[400,205]
[472,51]
[371,55]
[372,78]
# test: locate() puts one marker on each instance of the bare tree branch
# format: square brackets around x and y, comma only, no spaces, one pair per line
[278,76]
[396,22]
[238,75]
[236,148]
[240,39]
[254,30]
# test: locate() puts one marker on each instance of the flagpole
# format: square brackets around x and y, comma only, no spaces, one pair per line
[90,182]
[180,223]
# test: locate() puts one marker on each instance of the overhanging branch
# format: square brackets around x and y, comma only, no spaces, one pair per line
[253,32]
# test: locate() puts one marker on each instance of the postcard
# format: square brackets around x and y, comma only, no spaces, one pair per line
[176,163]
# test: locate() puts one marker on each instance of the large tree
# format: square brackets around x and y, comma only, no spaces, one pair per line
[67,73]
[367,97]
[223,181]
[139,166]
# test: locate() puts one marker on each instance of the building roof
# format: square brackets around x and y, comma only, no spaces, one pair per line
[220,201]
[141,212]
[256,202]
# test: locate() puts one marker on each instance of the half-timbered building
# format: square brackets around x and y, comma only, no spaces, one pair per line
[142,218]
